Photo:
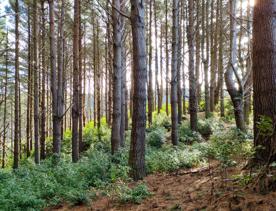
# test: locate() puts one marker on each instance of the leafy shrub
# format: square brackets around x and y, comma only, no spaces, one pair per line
[187,136]
[228,145]
[156,137]
[161,120]
[204,128]
[170,159]
[134,195]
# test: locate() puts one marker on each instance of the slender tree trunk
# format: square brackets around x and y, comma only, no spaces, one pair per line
[29,97]
[205,39]
[150,91]
[43,84]
[158,94]
[117,78]
[80,84]
[264,70]
[5,105]
[16,102]
[36,85]
[192,79]
[220,67]
[137,146]
[123,98]
[167,59]
[179,64]
[76,85]
[175,42]
[249,81]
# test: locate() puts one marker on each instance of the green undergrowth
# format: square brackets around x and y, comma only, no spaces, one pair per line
[33,187]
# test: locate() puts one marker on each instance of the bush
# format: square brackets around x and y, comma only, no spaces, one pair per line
[229,145]
[134,195]
[161,120]
[204,128]
[170,159]
[156,137]
[187,136]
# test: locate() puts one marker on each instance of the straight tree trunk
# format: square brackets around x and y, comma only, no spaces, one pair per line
[150,91]
[167,59]
[36,85]
[137,146]
[29,97]
[220,66]
[16,102]
[205,39]
[76,85]
[179,65]
[175,42]
[5,105]
[192,79]
[117,78]
[43,84]
[264,77]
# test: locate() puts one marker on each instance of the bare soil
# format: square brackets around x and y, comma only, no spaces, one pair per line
[205,188]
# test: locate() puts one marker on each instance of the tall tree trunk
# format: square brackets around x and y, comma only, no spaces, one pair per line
[5,105]
[197,59]
[179,65]
[235,93]
[137,146]
[16,102]
[249,81]
[167,59]
[150,91]
[36,85]
[205,39]
[43,84]
[175,42]
[76,85]
[220,65]
[264,70]
[158,94]
[117,77]
[29,97]
[192,79]
[123,98]
[80,84]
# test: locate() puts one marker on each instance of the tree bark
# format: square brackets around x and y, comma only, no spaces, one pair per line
[76,85]
[192,79]
[137,146]
[16,90]
[235,93]
[264,76]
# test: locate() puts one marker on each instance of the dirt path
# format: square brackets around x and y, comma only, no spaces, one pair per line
[194,189]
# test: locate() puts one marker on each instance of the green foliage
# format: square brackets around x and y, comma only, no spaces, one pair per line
[228,145]
[35,187]
[156,137]
[186,135]
[134,195]
[161,120]
[170,159]
[265,126]
[204,128]
[229,110]
[243,179]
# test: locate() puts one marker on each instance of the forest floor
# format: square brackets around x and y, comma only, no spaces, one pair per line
[205,188]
